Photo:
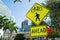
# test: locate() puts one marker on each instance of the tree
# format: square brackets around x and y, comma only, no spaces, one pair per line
[2,18]
[19,1]
[19,37]
[5,27]
[54,7]
[54,13]
[3,24]
[12,27]
[7,24]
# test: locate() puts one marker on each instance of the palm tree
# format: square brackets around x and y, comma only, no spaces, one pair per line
[3,21]
[12,27]
[11,31]
[20,1]
[2,18]
[5,26]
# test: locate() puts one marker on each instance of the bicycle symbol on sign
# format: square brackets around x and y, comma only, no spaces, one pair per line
[37,8]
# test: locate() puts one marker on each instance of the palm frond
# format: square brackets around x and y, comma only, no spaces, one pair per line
[29,0]
[17,1]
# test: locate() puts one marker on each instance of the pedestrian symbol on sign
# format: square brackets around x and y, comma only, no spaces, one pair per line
[37,16]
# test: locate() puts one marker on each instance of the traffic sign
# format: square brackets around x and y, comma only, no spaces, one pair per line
[37,13]
[38,31]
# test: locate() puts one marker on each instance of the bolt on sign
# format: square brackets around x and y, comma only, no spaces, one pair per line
[37,13]
[38,31]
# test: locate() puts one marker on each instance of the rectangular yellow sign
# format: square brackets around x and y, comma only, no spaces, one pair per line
[38,31]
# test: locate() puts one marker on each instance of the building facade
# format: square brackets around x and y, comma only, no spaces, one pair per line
[24,24]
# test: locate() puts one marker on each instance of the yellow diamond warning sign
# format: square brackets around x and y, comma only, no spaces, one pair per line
[38,31]
[37,13]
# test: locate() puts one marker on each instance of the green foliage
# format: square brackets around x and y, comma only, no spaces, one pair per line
[5,23]
[54,13]
[19,37]
[19,1]
[2,19]
[12,26]
[1,38]
[54,7]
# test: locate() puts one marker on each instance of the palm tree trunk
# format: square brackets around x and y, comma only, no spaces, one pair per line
[10,35]
[53,39]
[4,35]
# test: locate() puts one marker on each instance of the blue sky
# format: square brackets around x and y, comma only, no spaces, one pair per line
[18,10]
